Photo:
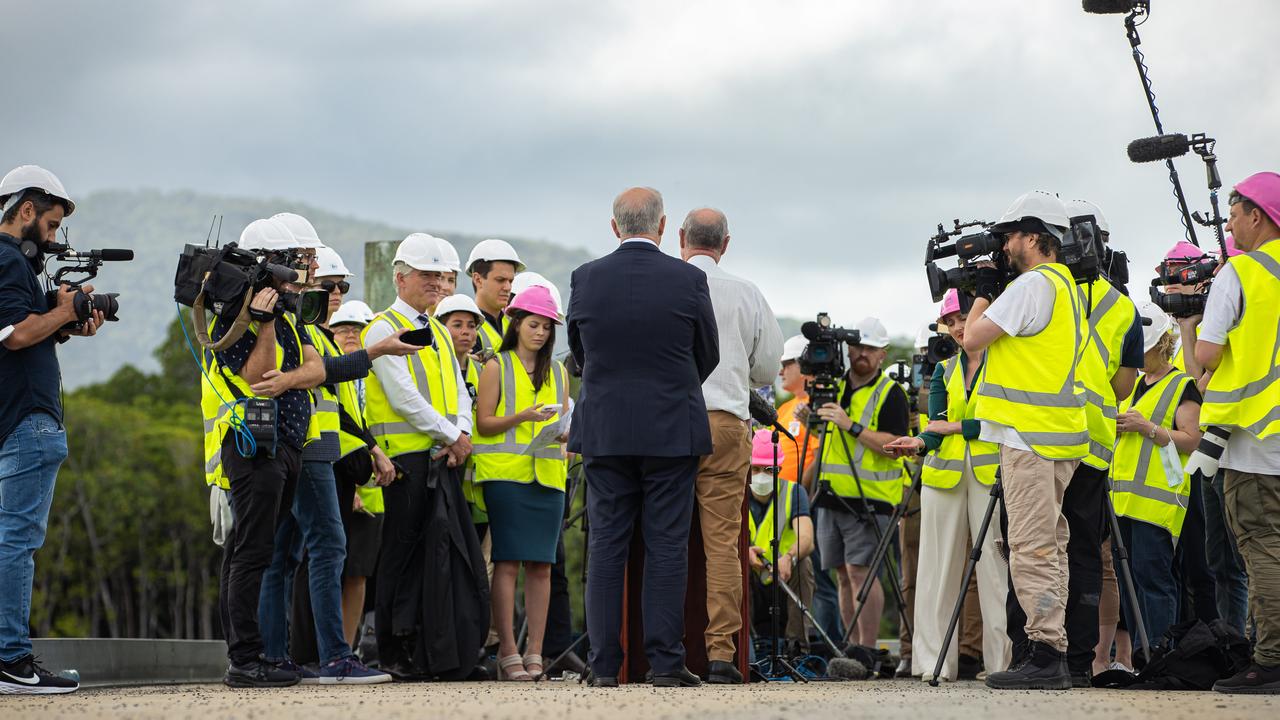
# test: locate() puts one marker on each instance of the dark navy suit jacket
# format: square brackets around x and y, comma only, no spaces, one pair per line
[642,329]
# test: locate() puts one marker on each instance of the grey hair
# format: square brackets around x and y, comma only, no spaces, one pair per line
[640,217]
[402,268]
[705,235]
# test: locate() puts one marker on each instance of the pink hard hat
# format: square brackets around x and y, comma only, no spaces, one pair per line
[1263,189]
[762,449]
[537,300]
[1232,250]
[1184,252]
[950,303]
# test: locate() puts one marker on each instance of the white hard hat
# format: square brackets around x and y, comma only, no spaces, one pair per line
[352,312]
[873,332]
[922,337]
[454,303]
[528,279]
[421,251]
[268,234]
[490,250]
[330,263]
[25,177]
[303,231]
[1160,325]
[793,348]
[1038,205]
[1077,208]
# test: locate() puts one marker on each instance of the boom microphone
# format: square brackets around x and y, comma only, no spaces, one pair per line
[1108,7]
[1160,147]
[106,255]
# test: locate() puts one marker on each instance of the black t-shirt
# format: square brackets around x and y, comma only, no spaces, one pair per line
[1190,394]
[294,406]
[895,413]
[1131,353]
[30,377]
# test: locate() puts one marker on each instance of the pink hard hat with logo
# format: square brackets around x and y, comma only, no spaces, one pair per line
[1263,189]
[762,449]
[950,303]
[536,299]
[1184,251]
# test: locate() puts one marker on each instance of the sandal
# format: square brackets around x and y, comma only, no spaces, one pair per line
[533,661]
[511,667]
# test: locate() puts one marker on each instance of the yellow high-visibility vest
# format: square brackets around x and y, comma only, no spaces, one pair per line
[1139,488]
[1029,383]
[762,534]
[944,467]
[469,491]
[529,452]
[325,421]
[435,373]
[1111,315]
[1244,392]
[882,478]
[491,337]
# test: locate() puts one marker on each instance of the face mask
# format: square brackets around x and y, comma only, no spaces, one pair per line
[762,484]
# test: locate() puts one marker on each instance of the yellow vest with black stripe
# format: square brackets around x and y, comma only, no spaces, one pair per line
[944,467]
[882,478]
[1244,392]
[324,400]
[469,493]
[1139,488]
[529,452]
[435,373]
[218,403]
[1029,383]
[762,533]
[491,337]
[1111,314]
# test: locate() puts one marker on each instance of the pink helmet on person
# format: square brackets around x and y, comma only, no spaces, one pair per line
[762,449]
[1184,251]
[1263,190]
[950,303]
[537,300]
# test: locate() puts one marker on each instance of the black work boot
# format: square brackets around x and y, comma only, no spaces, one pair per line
[1043,669]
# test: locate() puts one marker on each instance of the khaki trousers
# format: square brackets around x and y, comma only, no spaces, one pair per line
[1253,509]
[721,485]
[1037,538]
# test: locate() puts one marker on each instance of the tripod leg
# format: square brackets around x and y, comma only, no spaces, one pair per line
[969,567]
[884,540]
[1126,576]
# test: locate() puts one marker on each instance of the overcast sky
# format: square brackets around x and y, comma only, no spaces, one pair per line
[835,135]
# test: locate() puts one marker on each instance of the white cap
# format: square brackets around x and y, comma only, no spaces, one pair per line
[1076,208]
[352,312]
[428,253]
[1161,324]
[268,234]
[330,263]
[872,332]
[303,231]
[25,177]
[528,279]
[1038,204]
[793,348]
[490,250]
[459,302]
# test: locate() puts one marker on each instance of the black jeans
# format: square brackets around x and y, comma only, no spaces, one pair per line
[261,496]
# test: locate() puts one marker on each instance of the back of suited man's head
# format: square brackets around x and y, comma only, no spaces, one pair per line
[638,211]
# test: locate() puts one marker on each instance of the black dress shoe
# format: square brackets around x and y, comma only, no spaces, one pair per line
[970,666]
[679,678]
[720,672]
[404,671]
[594,680]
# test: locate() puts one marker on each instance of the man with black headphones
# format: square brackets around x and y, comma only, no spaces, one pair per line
[33,442]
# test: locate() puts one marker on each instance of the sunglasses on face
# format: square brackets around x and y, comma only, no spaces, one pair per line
[342,285]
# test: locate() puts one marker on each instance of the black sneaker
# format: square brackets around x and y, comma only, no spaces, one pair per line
[1043,669]
[306,676]
[1081,678]
[1253,680]
[24,676]
[969,667]
[258,674]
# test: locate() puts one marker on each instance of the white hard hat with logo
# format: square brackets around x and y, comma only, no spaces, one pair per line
[330,263]
[303,231]
[428,253]
[268,235]
[873,332]
[352,312]
[490,250]
[456,303]
[527,280]
[27,177]
[1077,208]
[1036,205]
[793,348]
[1160,325]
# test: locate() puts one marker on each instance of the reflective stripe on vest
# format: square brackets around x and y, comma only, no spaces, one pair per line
[1139,488]
[1244,392]
[944,467]
[1111,317]
[324,402]
[762,533]
[1029,383]
[435,374]
[491,337]
[882,478]
[530,451]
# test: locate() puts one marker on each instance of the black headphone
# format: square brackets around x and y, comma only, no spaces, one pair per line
[29,250]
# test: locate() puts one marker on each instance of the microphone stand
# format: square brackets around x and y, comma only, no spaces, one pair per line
[776,659]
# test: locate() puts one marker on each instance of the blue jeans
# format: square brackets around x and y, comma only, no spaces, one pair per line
[29,461]
[1154,582]
[826,600]
[316,526]
[1225,563]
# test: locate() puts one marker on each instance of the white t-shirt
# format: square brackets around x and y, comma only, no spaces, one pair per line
[1244,452]
[1023,309]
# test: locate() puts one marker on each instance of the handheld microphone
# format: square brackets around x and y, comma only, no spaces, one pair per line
[1108,7]
[1160,147]
[763,412]
[106,255]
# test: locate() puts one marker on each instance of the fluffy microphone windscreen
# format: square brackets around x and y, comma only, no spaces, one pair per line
[1160,147]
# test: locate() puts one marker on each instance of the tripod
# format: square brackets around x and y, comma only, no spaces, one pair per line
[776,659]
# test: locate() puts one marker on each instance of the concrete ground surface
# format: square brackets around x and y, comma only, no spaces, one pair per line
[882,700]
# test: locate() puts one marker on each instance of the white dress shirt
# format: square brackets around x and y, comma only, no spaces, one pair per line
[750,339]
[402,393]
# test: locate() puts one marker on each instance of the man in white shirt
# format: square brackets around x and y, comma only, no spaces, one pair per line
[750,345]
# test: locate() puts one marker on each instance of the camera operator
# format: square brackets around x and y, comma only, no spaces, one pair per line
[33,442]
[846,537]
[1239,339]
[1032,405]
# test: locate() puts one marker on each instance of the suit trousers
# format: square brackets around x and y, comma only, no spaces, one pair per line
[655,495]
[722,482]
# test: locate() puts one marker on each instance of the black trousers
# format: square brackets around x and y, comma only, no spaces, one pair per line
[1199,588]
[261,496]
[400,564]
[559,633]
[1085,507]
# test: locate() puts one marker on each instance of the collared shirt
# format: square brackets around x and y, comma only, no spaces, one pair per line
[750,340]
[402,393]
[640,239]
[30,376]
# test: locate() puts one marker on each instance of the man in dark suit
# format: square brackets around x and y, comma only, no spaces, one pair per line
[642,329]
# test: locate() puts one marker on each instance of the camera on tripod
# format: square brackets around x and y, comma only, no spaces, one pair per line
[85,264]
[823,359]
[225,279]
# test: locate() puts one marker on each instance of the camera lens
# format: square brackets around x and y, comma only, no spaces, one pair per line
[105,303]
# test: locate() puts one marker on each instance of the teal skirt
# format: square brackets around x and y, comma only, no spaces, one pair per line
[524,520]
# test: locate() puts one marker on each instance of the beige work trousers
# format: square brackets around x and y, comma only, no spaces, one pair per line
[721,485]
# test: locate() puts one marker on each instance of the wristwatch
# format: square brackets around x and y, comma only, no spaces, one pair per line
[856,429]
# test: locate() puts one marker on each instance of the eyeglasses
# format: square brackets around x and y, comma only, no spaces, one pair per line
[766,469]
[342,285]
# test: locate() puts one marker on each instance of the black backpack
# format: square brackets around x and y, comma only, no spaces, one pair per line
[1191,656]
